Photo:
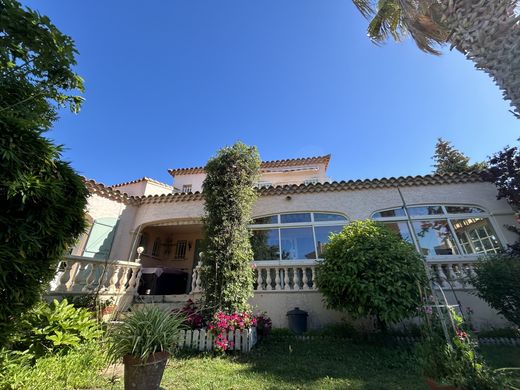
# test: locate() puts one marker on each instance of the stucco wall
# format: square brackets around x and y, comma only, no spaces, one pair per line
[101,207]
[195,180]
[277,304]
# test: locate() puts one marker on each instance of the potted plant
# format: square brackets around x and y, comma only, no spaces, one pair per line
[145,340]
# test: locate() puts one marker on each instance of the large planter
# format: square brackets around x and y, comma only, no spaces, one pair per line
[144,375]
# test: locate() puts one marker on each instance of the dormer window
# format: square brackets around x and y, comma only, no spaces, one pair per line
[186,188]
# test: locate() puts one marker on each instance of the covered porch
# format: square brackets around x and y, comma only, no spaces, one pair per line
[171,251]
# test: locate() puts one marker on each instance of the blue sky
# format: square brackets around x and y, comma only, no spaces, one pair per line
[170,82]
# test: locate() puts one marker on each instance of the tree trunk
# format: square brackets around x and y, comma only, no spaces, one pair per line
[487,32]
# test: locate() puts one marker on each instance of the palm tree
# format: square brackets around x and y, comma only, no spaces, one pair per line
[487,32]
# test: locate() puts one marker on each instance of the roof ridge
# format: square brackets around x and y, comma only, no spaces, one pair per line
[264,164]
[144,178]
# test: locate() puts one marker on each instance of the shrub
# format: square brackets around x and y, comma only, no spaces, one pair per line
[79,369]
[264,325]
[42,198]
[497,280]
[370,271]
[455,361]
[227,276]
[222,323]
[145,332]
[55,328]
[193,317]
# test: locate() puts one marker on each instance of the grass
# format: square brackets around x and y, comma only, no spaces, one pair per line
[276,364]
[318,364]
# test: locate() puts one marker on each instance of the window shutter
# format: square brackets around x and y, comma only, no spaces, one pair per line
[101,238]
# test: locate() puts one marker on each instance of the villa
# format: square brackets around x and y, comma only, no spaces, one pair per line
[145,237]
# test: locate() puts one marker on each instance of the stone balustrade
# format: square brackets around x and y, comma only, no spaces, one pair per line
[454,274]
[78,275]
[285,277]
[447,273]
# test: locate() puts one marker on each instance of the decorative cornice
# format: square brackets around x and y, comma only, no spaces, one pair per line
[351,185]
[392,182]
[335,186]
[265,164]
[147,179]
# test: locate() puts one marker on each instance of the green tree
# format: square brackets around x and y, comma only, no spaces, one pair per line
[486,32]
[41,197]
[497,279]
[227,276]
[368,270]
[504,172]
[450,160]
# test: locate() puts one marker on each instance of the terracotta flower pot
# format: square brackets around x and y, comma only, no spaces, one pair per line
[433,385]
[147,374]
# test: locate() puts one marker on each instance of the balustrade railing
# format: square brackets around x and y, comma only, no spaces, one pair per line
[448,274]
[453,274]
[82,275]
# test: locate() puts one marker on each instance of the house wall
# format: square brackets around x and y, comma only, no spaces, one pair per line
[133,189]
[195,180]
[143,188]
[360,204]
[275,176]
[102,207]
[277,304]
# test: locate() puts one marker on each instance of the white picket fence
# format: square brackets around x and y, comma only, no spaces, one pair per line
[202,340]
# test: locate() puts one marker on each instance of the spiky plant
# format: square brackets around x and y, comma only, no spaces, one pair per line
[487,32]
[146,331]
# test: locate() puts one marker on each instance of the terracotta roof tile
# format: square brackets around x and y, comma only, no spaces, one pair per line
[335,186]
[351,185]
[265,164]
[143,179]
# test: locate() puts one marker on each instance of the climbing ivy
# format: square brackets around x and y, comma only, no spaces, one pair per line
[226,274]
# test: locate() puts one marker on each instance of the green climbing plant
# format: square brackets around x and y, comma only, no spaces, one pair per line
[226,274]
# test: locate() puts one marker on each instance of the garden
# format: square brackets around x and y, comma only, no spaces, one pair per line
[368,271]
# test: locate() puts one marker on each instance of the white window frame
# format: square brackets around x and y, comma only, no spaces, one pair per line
[444,216]
[281,226]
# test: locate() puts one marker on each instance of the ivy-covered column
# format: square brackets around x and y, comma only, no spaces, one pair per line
[226,273]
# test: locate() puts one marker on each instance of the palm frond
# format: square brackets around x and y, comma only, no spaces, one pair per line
[396,18]
[366,7]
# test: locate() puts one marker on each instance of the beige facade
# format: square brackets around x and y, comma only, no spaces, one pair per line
[167,223]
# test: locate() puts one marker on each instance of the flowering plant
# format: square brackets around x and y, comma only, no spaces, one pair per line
[263,324]
[194,319]
[449,352]
[222,323]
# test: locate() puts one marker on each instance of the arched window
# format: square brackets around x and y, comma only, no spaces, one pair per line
[293,236]
[443,230]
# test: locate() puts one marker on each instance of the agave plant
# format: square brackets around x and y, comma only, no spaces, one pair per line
[487,32]
[145,332]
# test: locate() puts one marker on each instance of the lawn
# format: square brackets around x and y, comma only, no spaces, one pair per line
[276,363]
[318,364]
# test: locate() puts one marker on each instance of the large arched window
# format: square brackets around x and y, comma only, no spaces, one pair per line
[293,236]
[443,230]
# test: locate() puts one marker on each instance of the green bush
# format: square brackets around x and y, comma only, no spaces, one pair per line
[79,369]
[54,329]
[497,280]
[42,199]
[368,270]
[227,276]
[144,332]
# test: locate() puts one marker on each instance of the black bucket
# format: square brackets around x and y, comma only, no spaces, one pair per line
[297,320]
